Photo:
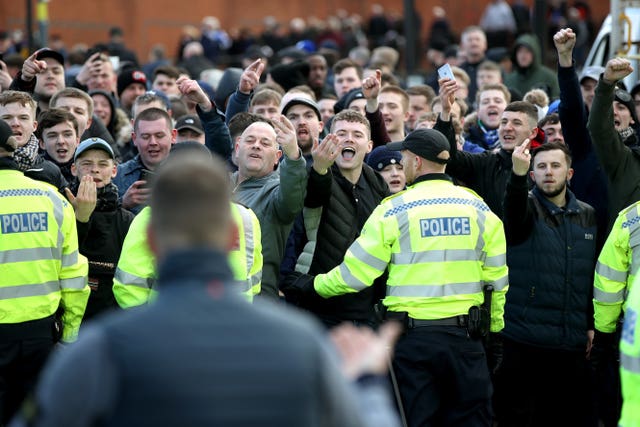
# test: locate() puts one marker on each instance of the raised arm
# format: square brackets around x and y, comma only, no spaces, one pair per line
[572,111]
[607,142]
[518,216]
[217,138]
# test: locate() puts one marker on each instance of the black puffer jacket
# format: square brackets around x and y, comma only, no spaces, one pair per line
[335,211]
[551,253]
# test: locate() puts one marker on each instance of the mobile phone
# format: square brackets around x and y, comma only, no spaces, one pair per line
[445,72]
[148,176]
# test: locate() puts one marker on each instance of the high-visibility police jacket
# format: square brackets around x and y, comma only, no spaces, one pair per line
[136,271]
[630,360]
[441,244]
[40,266]
[616,268]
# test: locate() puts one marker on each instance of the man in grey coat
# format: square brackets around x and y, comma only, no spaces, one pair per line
[272,181]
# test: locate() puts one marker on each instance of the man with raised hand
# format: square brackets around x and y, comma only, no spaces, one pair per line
[271,180]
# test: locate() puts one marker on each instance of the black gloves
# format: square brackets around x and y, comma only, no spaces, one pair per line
[298,290]
[605,347]
[495,352]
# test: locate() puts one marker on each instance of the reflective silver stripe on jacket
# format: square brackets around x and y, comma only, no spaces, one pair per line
[500,284]
[433,291]
[26,255]
[611,273]
[133,280]
[630,363]
[22,291]
[358,251]
[435,255]
[610,297]
[350,280]
[73,283]
[496,261]
[58,213]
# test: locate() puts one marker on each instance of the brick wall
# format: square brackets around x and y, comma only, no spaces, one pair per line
[147,22]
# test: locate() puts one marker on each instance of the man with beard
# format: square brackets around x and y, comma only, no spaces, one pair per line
[551,253]
[304,114]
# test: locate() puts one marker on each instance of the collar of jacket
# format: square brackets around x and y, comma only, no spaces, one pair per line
[433,177]
[7,163]
[571,207]
[202,265]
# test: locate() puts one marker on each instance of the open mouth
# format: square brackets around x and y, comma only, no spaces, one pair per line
[348,153]
[508,138]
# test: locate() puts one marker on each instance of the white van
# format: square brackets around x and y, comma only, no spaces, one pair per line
[625,33]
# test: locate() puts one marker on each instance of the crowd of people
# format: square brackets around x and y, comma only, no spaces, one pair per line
[192,232]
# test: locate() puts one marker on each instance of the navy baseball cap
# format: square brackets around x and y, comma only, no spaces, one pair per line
[302,101]
[93,144]
[426,143]
[50,53]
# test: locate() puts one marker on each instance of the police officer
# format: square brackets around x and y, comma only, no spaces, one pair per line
[40,271]
[616,270]
[630,360]
[441,244]
[135,274]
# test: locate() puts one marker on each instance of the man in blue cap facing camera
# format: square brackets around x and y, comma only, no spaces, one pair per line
[101,221]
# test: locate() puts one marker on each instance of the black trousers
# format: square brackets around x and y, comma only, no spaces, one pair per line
[24,348]
[443,378]
[543,387]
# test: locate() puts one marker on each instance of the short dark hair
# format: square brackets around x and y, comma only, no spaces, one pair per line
[53,117]
[524,107]
[552,119]
[167,70]
[345,63]
[351,116]
[190,202]
[422,90]
[240,121]
[549,146]
[150,115]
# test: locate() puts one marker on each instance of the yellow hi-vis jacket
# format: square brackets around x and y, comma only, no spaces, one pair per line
[617,265]
[136,271]
[630,359]
[441,244]
[40,266]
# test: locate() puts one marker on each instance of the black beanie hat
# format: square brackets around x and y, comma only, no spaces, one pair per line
[290,75]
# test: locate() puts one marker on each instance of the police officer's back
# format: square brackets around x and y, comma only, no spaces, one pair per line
[441,245]
[40,271]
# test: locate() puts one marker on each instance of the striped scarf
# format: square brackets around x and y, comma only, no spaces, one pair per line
[26,155]
[491,138]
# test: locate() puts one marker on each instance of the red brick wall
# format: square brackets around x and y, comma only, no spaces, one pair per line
[147,22]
